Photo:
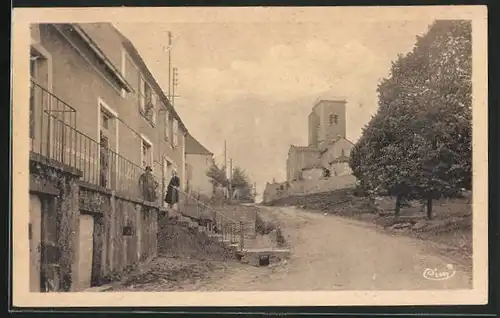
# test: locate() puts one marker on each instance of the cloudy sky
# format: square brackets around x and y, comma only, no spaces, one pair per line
[253,84]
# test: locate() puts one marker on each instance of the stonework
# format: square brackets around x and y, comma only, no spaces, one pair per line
[328,147]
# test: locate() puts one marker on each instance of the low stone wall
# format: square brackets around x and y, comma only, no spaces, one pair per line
[321,185]
[305,187]
[126,229]
[85,234]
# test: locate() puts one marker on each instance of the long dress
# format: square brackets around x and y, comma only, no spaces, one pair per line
[172,196]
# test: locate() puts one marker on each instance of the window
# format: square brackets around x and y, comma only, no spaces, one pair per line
[146,153]
[331,119]
[151,109]
[343,153]
[167,125]
[142,95]
[336,119]
[176,133]
[147,101]
[105,118]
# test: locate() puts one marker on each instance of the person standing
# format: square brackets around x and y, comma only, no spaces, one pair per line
[172,196]
[148,185]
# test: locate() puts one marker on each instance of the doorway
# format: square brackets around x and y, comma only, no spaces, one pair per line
[97,250]
[35,243]
[86,250]
[108,140]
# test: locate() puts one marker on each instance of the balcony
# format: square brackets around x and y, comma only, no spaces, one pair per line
[54,137]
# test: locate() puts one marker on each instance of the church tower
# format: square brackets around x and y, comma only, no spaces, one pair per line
[327,123]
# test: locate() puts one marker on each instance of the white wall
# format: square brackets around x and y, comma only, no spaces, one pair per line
[199,182]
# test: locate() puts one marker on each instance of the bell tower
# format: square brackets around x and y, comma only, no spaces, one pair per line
[327,122]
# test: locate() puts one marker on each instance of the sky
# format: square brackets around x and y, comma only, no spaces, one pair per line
[254,84]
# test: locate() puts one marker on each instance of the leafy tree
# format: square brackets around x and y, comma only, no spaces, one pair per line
[217,175]
[241,181]
[419,144]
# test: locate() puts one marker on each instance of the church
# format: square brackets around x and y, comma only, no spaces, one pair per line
[327,154]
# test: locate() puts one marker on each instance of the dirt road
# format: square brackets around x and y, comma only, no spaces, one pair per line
[333,253]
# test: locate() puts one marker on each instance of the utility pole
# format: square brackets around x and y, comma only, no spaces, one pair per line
[175,82]
[225,159]
[169,63]
[231,177]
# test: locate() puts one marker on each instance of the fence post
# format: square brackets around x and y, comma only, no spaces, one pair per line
[242,236]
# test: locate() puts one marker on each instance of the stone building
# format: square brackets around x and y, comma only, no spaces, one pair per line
[328,148]
[97,119]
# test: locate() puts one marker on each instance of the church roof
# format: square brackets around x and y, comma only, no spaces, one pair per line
[194,147]
[303,148]
[340,159]
[333,143]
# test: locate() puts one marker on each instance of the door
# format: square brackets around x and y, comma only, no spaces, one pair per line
[108,146]
[97,250]
[86,250]
[35,236]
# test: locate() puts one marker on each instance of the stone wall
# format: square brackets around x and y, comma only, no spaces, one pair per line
[321,185]
[124,229]
[128,230]
[305,187]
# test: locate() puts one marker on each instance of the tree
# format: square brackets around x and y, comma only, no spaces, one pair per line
[241,182]
[217,175]
[419,144]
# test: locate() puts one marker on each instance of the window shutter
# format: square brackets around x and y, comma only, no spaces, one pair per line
[141,94]
[176,133]
[167,125]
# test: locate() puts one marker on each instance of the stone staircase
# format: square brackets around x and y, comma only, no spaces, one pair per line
[238,237]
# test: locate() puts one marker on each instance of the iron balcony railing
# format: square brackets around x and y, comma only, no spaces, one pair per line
[48,116]
[54,136]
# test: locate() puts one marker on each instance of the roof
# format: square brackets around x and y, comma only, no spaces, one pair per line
[94,47]
[303,148]
[340,159]
[333,143]
[193,146]
[335,100]
[134,54]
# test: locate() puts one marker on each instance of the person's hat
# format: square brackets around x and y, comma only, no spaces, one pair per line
[148,168]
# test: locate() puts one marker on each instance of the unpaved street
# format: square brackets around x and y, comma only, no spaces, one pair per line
[328,253]
[332,253]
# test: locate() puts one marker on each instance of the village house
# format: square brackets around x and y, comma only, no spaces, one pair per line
[199,160]
[98,118]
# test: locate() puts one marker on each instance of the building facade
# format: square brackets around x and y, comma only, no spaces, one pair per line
[199,160]
[97,118]
[328,148]
[300,158]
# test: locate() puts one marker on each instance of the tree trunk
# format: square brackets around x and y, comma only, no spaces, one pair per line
[398,205]
[429,209]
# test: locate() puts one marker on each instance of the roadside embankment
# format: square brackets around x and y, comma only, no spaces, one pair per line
[450,229]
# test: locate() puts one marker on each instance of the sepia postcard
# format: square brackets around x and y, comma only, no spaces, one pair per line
[251,156]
